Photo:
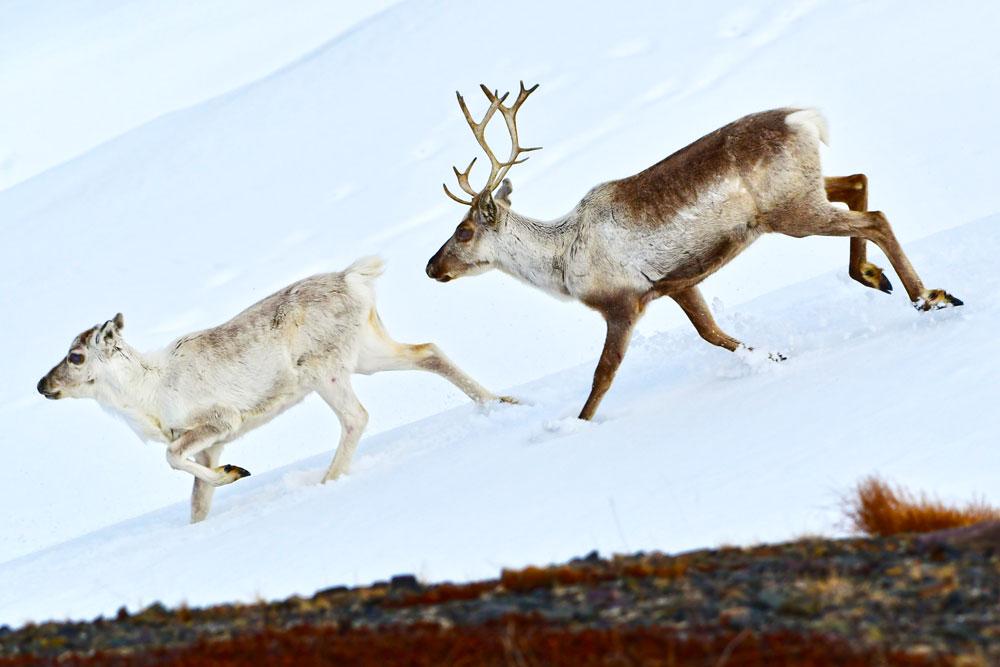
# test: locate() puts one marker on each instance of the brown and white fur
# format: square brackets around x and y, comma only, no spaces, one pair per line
[664,230]
[209,388]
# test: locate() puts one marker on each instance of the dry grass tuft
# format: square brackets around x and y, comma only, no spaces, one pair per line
[880,509]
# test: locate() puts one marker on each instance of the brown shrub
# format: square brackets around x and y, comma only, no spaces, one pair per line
[880,509]
[443,593]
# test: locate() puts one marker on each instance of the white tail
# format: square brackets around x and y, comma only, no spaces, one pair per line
[813,121]
[370,267]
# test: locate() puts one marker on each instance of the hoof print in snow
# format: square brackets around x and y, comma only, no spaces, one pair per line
[936,299]
[776,356]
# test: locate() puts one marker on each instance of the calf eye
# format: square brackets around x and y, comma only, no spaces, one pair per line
[464,234]
[75,358]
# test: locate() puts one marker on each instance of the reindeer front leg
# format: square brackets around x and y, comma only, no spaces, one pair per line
[201,494]
[621,320]
[194,441]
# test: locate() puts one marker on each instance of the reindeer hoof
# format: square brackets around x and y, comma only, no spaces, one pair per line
[230,474]
[936,299]
[873,276]
[509,399]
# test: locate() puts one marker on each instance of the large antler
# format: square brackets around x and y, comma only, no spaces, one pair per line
[498,169]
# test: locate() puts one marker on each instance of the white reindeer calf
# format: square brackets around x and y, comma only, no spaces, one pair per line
[209,388]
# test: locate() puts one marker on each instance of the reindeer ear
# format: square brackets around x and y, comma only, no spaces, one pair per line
[503,194]
[486,208]
[109,330]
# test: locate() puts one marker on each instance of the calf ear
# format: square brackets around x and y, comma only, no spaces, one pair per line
[110,329]
[503,194]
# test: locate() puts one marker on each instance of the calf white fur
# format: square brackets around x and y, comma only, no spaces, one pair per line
[209,388]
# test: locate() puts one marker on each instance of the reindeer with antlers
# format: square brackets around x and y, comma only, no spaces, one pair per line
[664,230]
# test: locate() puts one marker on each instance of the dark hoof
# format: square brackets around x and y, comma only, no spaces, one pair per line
[238,471]
[872,276]
[776,356]
[936,299]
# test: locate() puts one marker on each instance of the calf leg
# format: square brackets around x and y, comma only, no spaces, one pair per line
[339,395]
[201,494]
[872,226]
[853,191]
[381,353]
[197,440]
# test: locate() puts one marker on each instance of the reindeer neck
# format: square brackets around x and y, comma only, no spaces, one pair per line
[535,251]
[129,390]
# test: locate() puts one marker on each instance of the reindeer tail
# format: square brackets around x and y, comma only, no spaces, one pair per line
[366,268]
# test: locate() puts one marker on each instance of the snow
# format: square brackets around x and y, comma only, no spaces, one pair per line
[77,74]
[310,156]
[694,446]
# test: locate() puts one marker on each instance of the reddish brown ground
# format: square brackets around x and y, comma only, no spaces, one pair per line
[515,642]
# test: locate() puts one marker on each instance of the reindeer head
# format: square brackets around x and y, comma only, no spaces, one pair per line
[470,250]
[89,357]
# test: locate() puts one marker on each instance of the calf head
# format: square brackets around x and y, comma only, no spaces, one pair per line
[91,356]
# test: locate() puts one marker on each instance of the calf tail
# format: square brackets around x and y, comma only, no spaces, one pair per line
[366,268]
[361,275]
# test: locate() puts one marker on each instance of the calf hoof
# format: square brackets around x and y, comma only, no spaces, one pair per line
[936,299]
[872,276]
[230,473]
[509,399]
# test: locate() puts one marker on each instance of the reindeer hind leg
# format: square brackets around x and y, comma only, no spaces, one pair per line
[337,392]
[381,353]
[872,226]
[853,191]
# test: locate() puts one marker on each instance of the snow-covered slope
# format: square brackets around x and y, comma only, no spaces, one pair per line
[187,219]
[76,74]
[695,447]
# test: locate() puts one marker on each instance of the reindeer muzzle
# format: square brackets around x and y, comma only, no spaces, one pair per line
[43,389]
[434,268]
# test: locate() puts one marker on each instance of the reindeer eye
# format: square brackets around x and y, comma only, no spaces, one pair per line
[464,234]
[75,358]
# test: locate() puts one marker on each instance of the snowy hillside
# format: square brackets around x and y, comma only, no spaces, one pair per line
[74,75]
[312,154]
[694,447]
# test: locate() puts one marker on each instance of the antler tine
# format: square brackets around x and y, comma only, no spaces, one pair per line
[479,131]
[522,95]
[458,199]
[463,178]
[498,169]
[510,117]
